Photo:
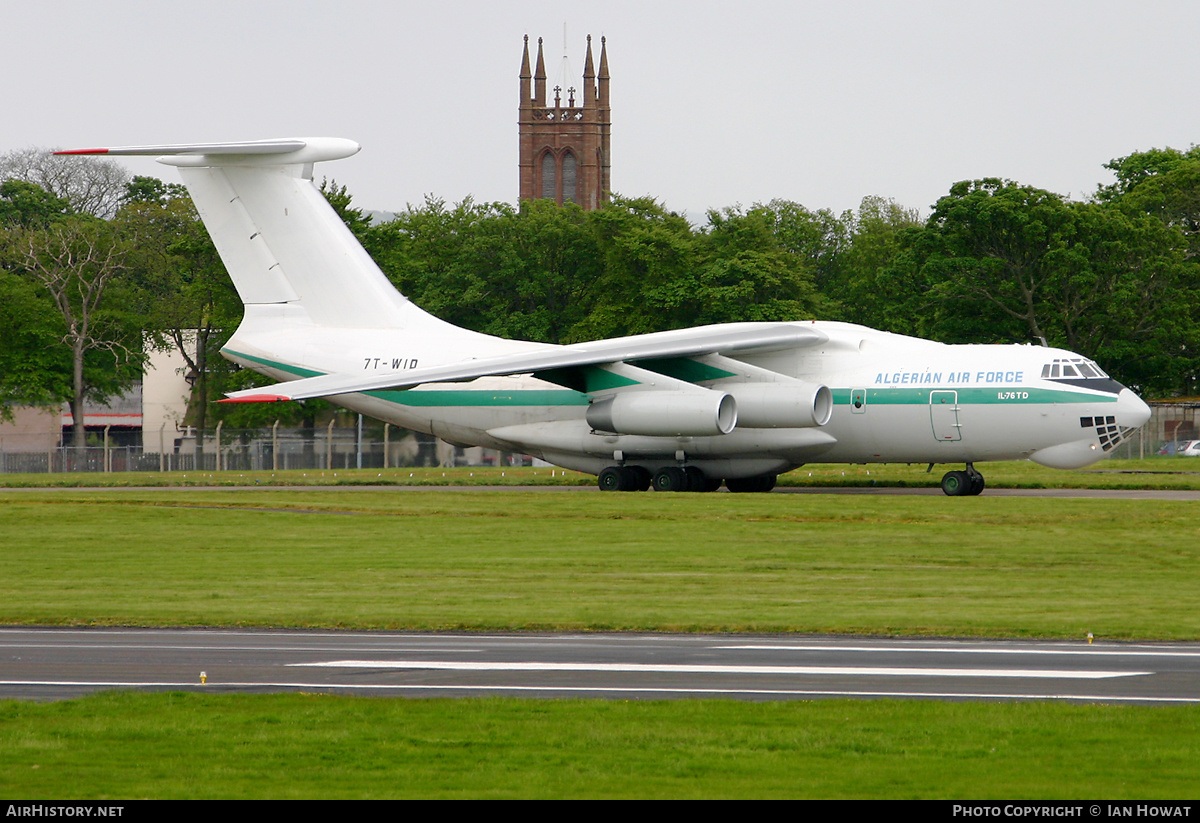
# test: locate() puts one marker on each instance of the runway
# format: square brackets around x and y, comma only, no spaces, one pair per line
[59,663]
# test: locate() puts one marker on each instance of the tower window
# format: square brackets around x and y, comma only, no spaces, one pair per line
[549,177]
[569,179]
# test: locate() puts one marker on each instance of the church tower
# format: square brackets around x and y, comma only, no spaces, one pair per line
[565,146]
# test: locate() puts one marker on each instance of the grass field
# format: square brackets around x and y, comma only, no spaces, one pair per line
[299,746]
[513,560]
[487,559]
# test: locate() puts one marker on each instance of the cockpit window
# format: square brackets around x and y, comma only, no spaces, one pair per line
[1073,367]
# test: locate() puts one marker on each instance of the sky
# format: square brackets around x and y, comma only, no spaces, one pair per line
[714,104]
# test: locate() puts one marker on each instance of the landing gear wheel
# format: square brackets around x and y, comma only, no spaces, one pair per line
[623,479]
[697,481]
[958,484]
[642,478]
[671,479]
[610,479]
[762,483]
[977,483]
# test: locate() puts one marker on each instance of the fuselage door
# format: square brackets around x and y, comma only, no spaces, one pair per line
[858,401]
[943,415]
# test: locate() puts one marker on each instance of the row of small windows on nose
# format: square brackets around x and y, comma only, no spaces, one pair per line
[1106,430]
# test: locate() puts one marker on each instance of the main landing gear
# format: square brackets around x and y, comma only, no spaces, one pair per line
[961,484]
[624,479]
[684,479]
[676,479]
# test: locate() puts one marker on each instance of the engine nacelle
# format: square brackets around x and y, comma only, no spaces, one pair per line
[781,405]
[665,413]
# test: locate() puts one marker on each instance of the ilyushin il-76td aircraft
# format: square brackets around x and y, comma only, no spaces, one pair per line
[683,410]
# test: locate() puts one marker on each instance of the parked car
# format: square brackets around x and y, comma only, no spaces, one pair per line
[1181,448]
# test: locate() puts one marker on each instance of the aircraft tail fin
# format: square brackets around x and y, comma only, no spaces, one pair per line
[280,240]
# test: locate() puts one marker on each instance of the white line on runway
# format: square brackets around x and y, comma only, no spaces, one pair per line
[966,650]
[458,665]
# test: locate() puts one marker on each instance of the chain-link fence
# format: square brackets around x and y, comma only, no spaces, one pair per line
[246,450]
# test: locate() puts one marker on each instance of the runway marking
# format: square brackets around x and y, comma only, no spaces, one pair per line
[456,665]
[966,650]
[222,687]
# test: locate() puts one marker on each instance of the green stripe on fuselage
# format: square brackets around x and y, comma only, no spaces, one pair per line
[274,364]
[991,395]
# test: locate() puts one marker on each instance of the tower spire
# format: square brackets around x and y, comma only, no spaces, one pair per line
[539,79]
[525,75]
[589,77]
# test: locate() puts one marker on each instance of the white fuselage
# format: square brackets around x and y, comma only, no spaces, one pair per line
[895,399]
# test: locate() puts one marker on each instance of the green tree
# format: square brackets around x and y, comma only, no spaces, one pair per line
[817,238]
[79,262]
[29,205]
[34,367]
[530,269]
[1160,183]
[560,274]
[1002,262]
[1116,294]
[875,280]
[750,270]
[986,250]
[648,255]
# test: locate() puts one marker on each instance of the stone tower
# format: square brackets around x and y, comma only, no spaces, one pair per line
[565,146]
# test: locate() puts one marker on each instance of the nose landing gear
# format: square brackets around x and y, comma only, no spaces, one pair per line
[962,484]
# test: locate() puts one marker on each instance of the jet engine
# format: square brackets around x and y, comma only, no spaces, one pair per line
[665,413]
[781,405]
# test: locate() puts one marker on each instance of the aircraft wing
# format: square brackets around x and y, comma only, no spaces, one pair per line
[680,343]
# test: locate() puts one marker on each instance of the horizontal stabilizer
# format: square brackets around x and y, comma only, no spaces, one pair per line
[281,151]
[681,343]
